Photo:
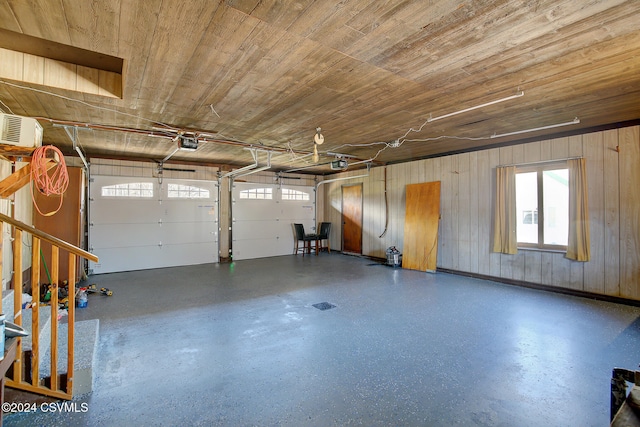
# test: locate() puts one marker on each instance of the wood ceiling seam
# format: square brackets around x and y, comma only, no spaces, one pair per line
[162,50]
[481,49]
[543,69]
[554,46]
[136,64]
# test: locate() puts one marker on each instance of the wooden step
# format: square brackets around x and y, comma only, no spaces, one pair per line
[44,324]
[85,346]
[85,350]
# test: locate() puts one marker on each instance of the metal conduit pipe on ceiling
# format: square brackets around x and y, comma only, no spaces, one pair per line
[260,169]
[315,204]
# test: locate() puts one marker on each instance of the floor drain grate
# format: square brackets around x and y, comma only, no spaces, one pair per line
[323,306]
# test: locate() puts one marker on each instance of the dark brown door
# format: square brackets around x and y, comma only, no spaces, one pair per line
[352,219]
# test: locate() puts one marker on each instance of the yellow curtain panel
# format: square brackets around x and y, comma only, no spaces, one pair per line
[578,247]
[504,226]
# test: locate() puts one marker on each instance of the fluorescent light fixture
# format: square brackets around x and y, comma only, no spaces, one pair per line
[486,104]
[572,122]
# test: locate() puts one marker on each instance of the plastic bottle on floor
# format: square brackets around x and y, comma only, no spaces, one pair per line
[82,298]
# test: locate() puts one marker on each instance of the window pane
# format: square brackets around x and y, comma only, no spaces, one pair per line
[555,184]
[527,207]
[291,194]
[257,193]
[132,189]
[187,192]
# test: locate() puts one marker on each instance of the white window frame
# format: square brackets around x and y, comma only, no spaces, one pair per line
[127,190]
[260,193]
[539,169]
[185,191]
[291,194]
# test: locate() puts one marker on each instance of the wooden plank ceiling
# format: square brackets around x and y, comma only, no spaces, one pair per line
[241,74]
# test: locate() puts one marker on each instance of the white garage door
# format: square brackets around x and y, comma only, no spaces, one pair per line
[263,216]
[137,224]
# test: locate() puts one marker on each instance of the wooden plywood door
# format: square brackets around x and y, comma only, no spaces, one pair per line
[422,214]
[66,224]
[352,219]
[629,143]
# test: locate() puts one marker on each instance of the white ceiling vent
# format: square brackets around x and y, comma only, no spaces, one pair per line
[20,131]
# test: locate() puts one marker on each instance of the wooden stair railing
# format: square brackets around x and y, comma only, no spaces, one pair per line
[22,176]
[26,368]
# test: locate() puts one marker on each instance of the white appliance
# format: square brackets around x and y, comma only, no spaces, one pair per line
[20,131]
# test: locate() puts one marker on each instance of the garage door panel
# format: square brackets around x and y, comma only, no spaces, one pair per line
[256,210]
[189,212]
[126,259]
[297,210]
[261,248]
[284,230]
[246,230]
[158,256]
[286,225]
[135,233]
[263,228]
[191,253]
[185,233]
[108,235]
[126,211]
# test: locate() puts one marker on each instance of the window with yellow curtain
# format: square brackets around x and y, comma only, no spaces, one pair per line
[542,206]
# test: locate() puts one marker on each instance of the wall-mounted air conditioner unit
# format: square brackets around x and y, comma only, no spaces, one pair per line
[20,131]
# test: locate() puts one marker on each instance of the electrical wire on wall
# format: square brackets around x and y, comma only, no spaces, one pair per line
[48,183]
[398,142]
[5,106]
[386,206]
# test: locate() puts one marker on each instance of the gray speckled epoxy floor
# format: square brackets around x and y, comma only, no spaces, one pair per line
[241,344]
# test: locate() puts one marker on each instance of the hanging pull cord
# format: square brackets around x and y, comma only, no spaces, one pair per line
[54,182]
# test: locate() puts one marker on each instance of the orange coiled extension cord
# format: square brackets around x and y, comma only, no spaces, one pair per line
[48,183]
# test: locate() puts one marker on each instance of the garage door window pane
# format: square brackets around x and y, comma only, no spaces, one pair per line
[291,194]
[130,189]
[257,193]
[180,191]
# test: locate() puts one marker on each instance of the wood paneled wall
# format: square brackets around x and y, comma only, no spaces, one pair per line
[613,169]
[27,68]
